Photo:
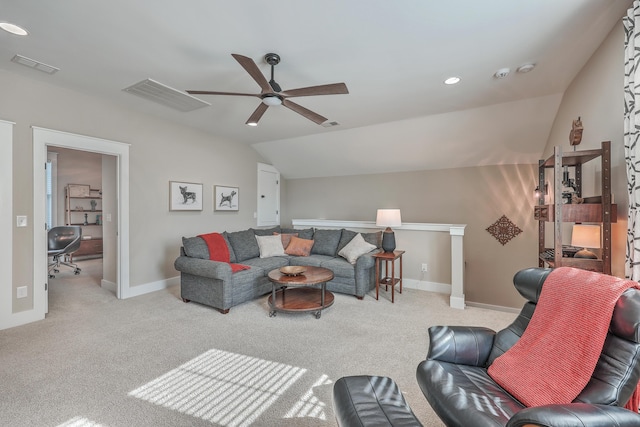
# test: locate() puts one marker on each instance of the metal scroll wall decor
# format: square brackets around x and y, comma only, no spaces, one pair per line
[504,230]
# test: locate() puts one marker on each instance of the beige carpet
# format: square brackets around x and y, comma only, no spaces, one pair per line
[156,361]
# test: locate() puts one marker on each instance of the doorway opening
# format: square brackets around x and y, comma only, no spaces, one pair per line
[80,192]
[116,155]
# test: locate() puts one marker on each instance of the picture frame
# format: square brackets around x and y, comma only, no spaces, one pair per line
[225,198]
[79,190]
[185,196]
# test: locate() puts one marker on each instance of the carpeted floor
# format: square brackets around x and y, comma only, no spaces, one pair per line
[153,360]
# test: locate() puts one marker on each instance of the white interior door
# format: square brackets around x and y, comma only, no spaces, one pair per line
[268,195]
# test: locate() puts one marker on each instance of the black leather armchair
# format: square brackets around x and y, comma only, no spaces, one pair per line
[454,376]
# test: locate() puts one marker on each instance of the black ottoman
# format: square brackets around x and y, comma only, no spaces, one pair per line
[365,400]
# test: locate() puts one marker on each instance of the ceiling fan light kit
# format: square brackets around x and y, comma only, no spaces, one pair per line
[271,93]
[271,100]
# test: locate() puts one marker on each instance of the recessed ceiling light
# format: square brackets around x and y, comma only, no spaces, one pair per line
[525,68]
[13,29]
[502,73]
[452,80]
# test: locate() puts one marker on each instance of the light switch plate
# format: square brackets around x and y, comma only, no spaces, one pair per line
[21,221]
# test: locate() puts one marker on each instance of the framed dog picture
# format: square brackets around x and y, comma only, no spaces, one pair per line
[185,196]
[225,198]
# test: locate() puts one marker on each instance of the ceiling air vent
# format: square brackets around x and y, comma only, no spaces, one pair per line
[36,65]
[157,92]
[329,124]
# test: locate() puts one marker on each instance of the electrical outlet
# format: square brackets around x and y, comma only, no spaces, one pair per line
[21,292]
[425,267]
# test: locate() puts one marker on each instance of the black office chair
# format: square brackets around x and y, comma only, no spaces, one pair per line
[63,241]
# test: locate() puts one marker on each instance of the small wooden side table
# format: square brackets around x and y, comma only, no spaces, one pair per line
[388,280]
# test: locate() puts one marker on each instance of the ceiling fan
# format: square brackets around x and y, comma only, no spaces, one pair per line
[272,94]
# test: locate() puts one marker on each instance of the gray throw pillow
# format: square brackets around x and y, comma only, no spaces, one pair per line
[326,242]
[244,244]
[374,238]
[266,231]
[306,233]
[195,247]
[232,254]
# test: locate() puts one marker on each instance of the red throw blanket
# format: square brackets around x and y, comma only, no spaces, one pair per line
[558,351]
[218,250]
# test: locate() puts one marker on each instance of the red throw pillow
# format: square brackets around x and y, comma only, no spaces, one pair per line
[299,247]
[286,238]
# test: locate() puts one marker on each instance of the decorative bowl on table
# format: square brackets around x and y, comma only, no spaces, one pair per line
[292,270]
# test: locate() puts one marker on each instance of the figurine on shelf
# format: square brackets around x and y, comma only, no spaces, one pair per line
[86,222]
[575,136]
[93,205]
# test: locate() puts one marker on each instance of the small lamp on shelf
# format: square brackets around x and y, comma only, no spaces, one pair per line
[388,218]
[585,236]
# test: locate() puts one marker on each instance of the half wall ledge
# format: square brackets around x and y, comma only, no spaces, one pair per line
[456,232]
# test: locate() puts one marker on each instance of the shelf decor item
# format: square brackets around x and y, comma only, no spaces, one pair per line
[79,190]
[185,196]
[225,198]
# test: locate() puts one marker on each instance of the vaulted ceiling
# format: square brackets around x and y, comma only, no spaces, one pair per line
[393,56]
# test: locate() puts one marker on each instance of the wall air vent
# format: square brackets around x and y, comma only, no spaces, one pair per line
[36,65]
[157,92]
[329,124]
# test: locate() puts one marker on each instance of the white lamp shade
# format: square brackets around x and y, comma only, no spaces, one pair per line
[585,236]
[388,218]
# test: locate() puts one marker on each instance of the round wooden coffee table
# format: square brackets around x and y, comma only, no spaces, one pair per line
[302,297]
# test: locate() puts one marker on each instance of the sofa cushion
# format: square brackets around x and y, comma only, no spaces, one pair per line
[299,247]
[270,246]
[340,267]
[267,264]
[286,238]
[232,254]
[374,238]
[195,247]
[355,248]
[266,231]
[313,260]
[306,233]
[244,244]
[326,242]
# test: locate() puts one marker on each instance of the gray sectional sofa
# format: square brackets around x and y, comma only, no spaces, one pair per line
[212,283]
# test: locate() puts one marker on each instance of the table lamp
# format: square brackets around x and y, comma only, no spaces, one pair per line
[585,236]
[388,218]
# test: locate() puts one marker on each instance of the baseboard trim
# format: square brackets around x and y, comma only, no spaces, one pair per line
[494,307]
[108,285]
[146,288]
[423,285]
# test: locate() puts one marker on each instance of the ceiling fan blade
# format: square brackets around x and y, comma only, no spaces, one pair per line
[257,114]
[330,89]
[250,66]
[314,117]
[208,92]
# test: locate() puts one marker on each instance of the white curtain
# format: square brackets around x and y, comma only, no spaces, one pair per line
[632,135]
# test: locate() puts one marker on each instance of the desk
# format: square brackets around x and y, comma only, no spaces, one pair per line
[388,280]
